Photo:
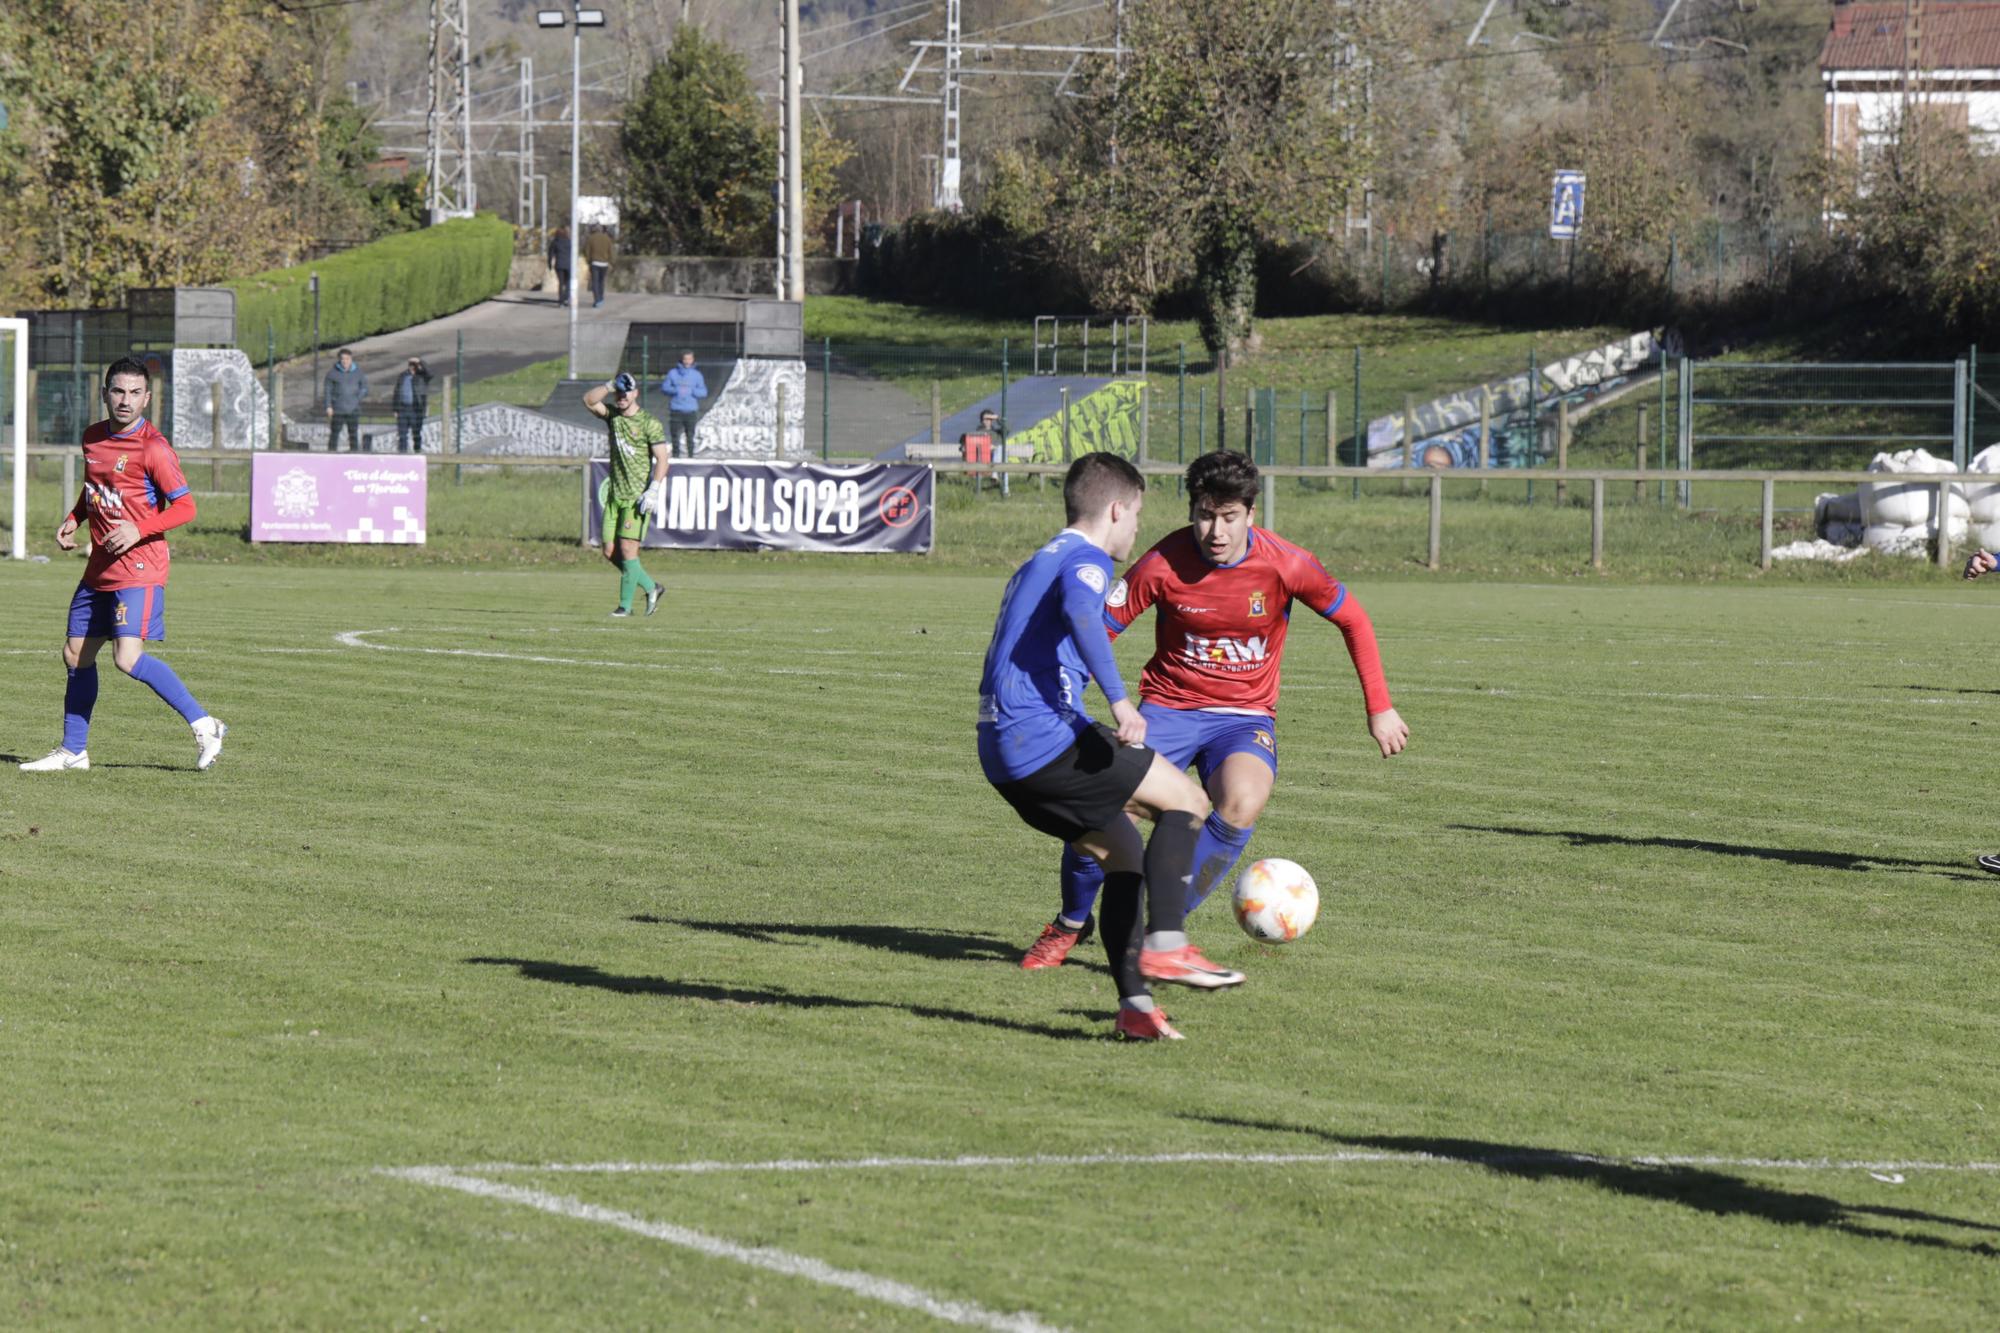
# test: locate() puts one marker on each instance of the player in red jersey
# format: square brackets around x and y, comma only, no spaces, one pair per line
[133,492]
[1224,590]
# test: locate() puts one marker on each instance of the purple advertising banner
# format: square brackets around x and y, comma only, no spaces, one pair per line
[752,506]
[337,498]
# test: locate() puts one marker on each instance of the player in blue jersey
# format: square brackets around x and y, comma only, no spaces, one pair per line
[1077,779]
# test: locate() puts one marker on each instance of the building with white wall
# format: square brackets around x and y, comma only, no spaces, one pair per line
[1880,62]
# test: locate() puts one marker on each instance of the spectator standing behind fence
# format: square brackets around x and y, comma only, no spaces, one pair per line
[346,388]
[413,398]
[684,388]
[559,261]
[599,251]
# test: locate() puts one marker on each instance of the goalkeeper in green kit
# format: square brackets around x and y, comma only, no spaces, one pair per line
[636,487]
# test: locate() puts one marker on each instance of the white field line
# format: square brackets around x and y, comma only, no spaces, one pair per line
[976,1163]
[357,638]
[772,1260]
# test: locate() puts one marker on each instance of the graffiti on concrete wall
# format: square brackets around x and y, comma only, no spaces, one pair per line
[246,409]
[1104,421]
[490,428]
[743,423]
[1578,378]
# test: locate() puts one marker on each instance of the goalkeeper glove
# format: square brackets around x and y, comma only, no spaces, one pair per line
[649,502]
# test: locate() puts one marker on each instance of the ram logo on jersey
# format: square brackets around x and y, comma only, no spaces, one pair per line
[1225,652]
[104,497]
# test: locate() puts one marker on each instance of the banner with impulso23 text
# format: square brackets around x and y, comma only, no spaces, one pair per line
[752,506]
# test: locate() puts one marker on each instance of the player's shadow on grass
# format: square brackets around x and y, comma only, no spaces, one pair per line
[944,945]
[1935,689]
[157,768]
[1798,856]
[577,974]
[1701,1188]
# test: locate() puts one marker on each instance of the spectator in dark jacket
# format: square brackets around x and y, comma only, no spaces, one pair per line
[559,261]
[346,388]
[412,397]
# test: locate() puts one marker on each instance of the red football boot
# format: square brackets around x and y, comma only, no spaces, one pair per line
[1136,1026]
[1185,967]
[1052,946]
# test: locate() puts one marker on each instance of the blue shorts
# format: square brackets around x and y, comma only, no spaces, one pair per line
[1193,736]
[119,613]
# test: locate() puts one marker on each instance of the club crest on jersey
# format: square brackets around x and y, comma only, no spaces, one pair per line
[119,466]
[1263,738]
[118,616]
[1257,603]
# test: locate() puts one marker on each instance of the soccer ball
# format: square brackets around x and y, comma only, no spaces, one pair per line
[1276,900]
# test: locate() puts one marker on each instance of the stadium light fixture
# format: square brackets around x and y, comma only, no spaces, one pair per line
[589,18]
[550,18]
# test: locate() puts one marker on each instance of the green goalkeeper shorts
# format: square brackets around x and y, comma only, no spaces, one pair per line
[625,522]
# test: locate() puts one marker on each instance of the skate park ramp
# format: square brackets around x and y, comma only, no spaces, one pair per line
[1104,414]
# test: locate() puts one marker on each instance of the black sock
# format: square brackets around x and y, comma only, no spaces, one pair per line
[1169,868]
[1119,920]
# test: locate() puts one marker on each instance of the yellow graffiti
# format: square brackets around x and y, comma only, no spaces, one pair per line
[1107,420]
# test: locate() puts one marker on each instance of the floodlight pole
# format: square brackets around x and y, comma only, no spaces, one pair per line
[575,181]
[794,219]
[22,407]
[577,19]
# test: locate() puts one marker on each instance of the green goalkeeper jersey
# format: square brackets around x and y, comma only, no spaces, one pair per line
[632,441]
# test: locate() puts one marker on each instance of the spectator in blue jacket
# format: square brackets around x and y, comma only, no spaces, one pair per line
[684,388]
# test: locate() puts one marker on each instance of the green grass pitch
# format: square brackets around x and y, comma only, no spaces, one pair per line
[485,878]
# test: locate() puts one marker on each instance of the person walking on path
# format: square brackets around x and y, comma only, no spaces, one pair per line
[413,396]
[559,261]
[346,389]
[684,388]
[599,251]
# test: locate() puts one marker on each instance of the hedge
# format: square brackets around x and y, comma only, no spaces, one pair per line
[388,284]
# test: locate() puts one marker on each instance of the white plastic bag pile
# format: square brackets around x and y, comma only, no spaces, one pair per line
[1902,519]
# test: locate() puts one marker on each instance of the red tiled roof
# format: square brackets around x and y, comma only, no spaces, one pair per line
[1950,36]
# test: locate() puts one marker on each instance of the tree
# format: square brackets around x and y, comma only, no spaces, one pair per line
[1232,121]
[701,156]
[134,157]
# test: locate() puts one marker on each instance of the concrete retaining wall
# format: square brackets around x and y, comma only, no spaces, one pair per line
[688,275]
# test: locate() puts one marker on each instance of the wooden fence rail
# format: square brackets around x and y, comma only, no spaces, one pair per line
[1596,478]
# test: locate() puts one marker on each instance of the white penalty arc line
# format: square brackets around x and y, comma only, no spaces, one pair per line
[1411,1158]
[765,1257]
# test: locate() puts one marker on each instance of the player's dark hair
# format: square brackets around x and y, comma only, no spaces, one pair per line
[1222,477]
[1095,482]
[126,365]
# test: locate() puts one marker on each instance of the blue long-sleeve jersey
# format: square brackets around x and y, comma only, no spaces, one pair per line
[1048,643]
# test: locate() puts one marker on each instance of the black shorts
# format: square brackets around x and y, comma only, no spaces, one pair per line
[1082,789]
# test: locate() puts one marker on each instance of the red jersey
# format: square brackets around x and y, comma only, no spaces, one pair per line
[1220,631]
[131,476]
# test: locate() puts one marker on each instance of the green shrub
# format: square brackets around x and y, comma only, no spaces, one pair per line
[387,284]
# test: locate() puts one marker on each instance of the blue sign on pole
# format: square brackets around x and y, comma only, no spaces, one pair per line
[1566,206]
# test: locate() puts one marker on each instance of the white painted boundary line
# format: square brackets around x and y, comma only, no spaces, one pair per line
[357,638]
[1221,1158]
[773,1260]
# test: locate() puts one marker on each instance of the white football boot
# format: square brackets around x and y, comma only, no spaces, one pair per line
[57,760]
[208,734]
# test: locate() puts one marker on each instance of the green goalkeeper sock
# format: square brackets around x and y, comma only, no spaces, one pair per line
[628,579]
[638,571]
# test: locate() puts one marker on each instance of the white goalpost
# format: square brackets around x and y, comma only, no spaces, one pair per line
[15,332]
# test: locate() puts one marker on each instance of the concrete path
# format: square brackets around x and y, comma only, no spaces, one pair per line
[512,330]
